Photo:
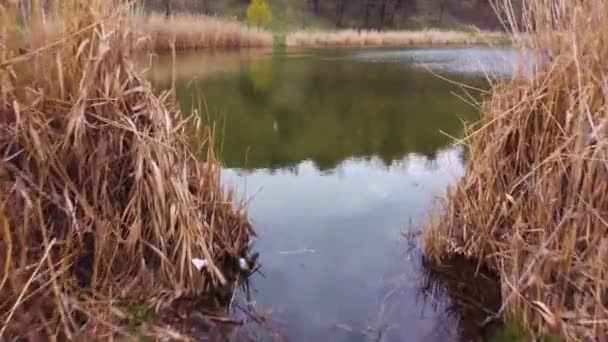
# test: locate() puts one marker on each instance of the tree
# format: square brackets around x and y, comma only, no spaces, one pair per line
[442,5]
[258,13]
[315,6]
[167,8]
[400,5]
[383,9]
[206,7]
[340,8]
[368,5]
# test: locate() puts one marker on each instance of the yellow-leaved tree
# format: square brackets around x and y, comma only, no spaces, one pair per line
[258,13]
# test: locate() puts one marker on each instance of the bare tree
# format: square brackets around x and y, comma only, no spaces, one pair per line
[206,7]
[368,9]
[399,4]
[315,6]
[383,9]
[340,9]
[168,9]
[442,5]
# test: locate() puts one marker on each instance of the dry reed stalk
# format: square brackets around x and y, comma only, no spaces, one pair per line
[306,38]
[533,204]
[103,201]
[186,31]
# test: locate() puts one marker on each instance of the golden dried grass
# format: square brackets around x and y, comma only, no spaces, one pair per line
[103,201]
[187,31]
[371,38]
[533,204]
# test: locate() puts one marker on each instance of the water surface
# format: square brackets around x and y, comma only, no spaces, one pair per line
[342,153]
[473,61]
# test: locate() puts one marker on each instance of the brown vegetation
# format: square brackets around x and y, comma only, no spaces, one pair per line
[533,204]
[390,38]
[103,201]
[184,31]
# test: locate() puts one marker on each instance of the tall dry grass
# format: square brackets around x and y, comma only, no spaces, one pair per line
[103,202]
[353,38]
[533,204]
[189,32]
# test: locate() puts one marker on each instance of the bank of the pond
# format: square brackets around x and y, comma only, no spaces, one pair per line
[182,31]
[533,203]
[375,38]
[107,216]
[192,32]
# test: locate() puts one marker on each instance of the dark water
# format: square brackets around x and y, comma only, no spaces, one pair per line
[341,153]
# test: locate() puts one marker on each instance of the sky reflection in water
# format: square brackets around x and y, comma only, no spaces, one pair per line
[340,152]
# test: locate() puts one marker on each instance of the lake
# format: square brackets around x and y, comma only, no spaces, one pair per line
[341,154]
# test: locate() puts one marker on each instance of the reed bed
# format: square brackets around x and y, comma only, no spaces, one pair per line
[356,38]
[533,204]
[103,201]
[189,32]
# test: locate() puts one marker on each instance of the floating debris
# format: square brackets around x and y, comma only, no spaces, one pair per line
[298,251]
[244,264]
[199,264]
[248,263]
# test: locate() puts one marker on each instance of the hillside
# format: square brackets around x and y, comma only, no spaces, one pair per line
[378,14]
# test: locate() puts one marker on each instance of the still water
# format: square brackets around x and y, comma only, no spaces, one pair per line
[341,154]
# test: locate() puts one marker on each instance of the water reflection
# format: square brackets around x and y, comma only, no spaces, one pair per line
[332,243]
[466,293]
[340,155]
[281,110]
[481,61]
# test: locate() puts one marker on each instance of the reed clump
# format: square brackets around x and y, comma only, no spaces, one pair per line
[190,32]
[533,204]
[103,202]
[370,38]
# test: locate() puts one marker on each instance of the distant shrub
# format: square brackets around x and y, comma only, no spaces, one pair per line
[258,13]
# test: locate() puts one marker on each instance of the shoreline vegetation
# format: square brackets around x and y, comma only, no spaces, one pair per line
[107,215]
[154,32]
[532,205]
[192,32]
[403,38]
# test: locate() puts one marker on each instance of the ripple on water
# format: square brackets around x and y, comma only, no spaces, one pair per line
[500,62]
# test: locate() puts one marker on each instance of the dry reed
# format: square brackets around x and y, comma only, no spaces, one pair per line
[185,31]
[533,204]
[306,38]
[103,202]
